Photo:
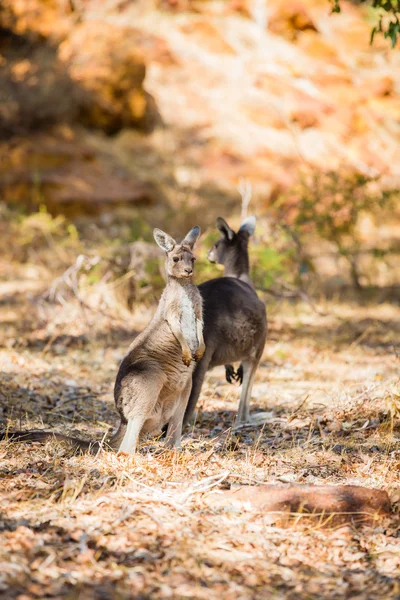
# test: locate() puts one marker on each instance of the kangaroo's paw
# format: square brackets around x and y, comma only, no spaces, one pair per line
[186,358]
[239,374]
[230,373]
[198,355]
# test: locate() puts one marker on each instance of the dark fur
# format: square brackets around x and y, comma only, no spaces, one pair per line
[235,321]
[233,254]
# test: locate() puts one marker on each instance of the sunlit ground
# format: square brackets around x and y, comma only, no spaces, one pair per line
[110,527]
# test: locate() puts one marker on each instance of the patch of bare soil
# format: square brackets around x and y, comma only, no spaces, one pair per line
[106,526]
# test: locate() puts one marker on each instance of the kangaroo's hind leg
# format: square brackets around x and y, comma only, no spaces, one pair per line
[136,401]
[249,371]
[174,431]
[130,439]
[246,372]
[198,378]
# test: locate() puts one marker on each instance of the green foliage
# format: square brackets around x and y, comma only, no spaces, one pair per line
[204,269]
[38,228]
[331,202]
[94,274]
[391,30]
[140,230]
[269,264]
[328,206]
[153,276]
[388,13]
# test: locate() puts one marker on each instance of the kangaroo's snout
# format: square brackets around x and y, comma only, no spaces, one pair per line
[189,271]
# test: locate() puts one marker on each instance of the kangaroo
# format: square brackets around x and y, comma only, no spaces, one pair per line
[155,378]
[235,322]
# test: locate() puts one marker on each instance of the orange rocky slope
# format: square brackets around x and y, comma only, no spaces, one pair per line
[234,89]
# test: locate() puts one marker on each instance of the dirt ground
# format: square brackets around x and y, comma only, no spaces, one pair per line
[99,527]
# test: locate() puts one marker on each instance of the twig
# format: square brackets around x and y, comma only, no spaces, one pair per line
[296,410]
[245,189]
[50,342]
[204,485]
[362,336]
[294,293]
[69,279]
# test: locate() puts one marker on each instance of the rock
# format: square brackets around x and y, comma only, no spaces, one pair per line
[36,90]
[324,504]
[104,61]
[208,36]
[386,108]
[290,18]
[55,70]
[43,18]
[237,100]
[66,174]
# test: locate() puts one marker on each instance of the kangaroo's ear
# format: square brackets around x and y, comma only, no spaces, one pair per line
[165,241]
[192,237]
[224,228]
[248,225]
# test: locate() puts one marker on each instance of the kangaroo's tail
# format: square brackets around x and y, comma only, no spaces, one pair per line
[43,436]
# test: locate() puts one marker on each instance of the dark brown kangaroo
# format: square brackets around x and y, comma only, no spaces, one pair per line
[235,322]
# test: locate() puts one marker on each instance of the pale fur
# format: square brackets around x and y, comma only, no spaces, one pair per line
[155,378]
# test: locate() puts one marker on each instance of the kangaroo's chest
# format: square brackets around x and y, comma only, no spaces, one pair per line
[188,321]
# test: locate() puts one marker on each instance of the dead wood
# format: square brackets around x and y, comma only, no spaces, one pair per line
[326,504]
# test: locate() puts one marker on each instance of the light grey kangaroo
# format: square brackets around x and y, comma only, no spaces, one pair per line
[235,322]
[155,378]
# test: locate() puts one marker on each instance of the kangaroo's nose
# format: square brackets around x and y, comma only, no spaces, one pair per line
[189,271]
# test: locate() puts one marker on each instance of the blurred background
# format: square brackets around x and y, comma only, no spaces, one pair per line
[121,115]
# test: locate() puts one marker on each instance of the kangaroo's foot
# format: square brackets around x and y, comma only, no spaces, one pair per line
[172,446]
[129,441]
[255,420]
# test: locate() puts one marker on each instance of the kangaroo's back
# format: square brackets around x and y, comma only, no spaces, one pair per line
[235,320]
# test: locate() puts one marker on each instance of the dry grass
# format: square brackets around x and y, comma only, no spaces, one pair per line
[117,527]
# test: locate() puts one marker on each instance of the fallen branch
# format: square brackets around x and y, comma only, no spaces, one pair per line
[292,293]
[324,504]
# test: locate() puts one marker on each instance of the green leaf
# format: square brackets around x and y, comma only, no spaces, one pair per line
[392,32]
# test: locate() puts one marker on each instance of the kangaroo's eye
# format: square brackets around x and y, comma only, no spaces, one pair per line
[193,259]
[176,258]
